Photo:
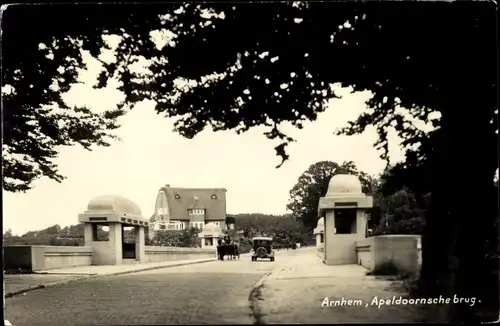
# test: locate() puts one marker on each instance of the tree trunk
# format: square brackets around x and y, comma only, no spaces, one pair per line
[453,241]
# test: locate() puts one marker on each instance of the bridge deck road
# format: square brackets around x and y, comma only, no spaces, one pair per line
[209,293]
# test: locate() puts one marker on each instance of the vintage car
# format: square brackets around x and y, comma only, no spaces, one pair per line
[262,248]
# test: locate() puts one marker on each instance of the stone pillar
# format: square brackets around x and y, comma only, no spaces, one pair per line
[115,250]
[140,245]
[361,220]
[88,235]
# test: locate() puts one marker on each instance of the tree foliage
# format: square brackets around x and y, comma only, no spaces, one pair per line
[51,236]
[280,70]
[283,228]
[39,65]
[313,184]
[401,214]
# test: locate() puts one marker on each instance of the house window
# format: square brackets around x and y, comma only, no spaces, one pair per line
[162,227]
[321,238]
[177,196]
[196,225]
[196,211]
[209,241]
[214,196]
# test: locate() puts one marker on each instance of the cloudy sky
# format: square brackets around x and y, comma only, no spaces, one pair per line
[151,155]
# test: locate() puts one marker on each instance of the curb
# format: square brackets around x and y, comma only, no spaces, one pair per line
[42,286]
[254,297]
[158,267]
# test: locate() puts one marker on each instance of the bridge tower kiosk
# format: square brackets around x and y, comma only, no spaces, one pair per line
[210,234]
[344,209]
[115,212]
[319,233]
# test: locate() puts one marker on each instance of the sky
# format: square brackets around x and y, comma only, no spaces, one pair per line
[151,155]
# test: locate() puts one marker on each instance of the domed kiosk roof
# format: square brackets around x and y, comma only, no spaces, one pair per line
[344,191]
[344,184]
[210,229]
[113,208]
[114,203]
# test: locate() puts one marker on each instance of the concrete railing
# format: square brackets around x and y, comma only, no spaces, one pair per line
[36,258]
[160,254]
[403,251]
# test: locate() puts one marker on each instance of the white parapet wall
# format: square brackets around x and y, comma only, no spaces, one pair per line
[64,256]
[39,258]
[403,251]
[160,254]
[36,258]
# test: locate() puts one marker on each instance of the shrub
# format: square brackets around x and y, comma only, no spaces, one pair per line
[245,246]
[386,269]
[412,285]
[387,225]
[175,238]
[389,269]
[400,213]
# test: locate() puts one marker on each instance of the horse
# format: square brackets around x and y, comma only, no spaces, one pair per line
[227,248]
[233,250]
[221,249]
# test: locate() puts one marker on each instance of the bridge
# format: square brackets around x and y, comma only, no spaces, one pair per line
[289,290]
[292,289]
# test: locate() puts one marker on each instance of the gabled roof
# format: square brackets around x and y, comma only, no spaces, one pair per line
[212,200]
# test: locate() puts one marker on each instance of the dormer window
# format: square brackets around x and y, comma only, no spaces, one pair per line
[196,212]
[177,196]
[214,196]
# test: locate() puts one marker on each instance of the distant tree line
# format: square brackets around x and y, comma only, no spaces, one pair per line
[284,228]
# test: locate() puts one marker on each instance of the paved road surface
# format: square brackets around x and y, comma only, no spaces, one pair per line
[209,293]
